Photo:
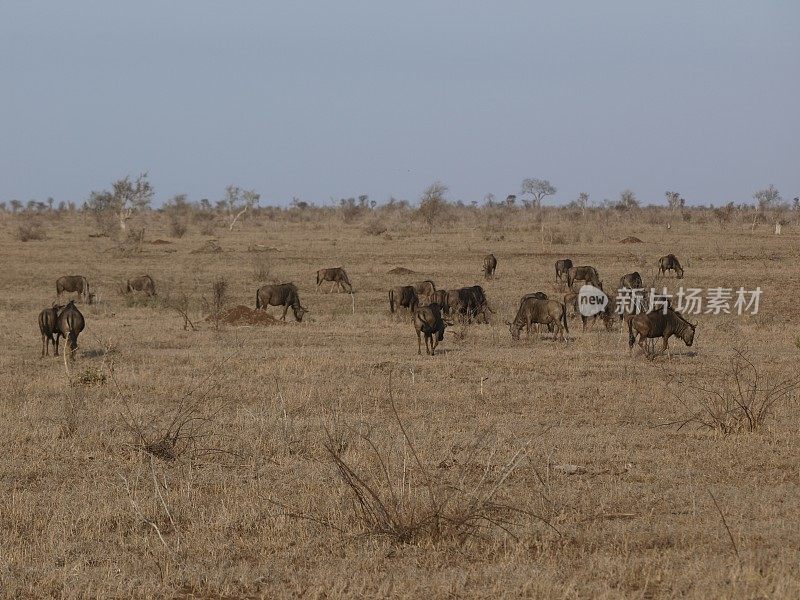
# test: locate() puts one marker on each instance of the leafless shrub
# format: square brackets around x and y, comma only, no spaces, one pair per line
[375,226]
[262,267]
[740,399]
[31,229]
[458,501]
[177,226]
[219,298]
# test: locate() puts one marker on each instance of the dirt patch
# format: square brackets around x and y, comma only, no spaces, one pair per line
[160,242]
[210,247]
[262,248]
[401,271]
[631,239]
[244,315]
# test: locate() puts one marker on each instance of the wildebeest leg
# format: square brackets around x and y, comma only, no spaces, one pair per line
[665,346]
[434,342]
[55,344]
[419,344]
[45,344]
[285,310]
[335,285]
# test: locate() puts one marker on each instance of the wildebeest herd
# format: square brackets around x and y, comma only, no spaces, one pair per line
[431,309]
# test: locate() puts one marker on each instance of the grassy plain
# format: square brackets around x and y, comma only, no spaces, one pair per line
[534,468]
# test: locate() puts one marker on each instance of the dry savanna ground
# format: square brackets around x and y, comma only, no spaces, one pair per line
[327,459]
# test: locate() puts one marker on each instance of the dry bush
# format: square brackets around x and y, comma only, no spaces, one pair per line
[31,229]
[375,226]
[177,226]
[740,399]
[262,267]
[219,298]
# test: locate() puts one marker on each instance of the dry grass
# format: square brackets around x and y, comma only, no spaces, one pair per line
[270,462]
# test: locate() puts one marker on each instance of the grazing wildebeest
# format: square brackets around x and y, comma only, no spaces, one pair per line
[606,315]
[658,323]
[281,294]
[338,276]
[69,325]
[489,266]
[584,273]
[546,312]
[670,263]
[562,268]
[470,303]
[74,283]
[144,284]
[404,296]
[425,289]
[428,322]
[48,320]
[631,281]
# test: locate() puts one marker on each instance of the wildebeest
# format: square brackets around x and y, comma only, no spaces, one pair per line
[428,321]
[281,294]
[338,276]
[143,283]
[69,325]
[670,263]
[48,320]
[425,289]
[562,268]
[659,323]
[546,312]
[631,281]
[470,303]
[489,266]
[606,315]
[74,283]
[584,273]
[404,296]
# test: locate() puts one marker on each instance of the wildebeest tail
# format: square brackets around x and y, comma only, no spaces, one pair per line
[564,317]
[391,300]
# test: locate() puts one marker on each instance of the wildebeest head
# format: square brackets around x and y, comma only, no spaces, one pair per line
[514,328]
[299,311]
[687,335]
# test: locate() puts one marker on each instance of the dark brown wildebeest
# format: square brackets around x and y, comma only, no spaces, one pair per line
[470,303]
[404,296]
[489,266]
[428,321]
[143,283]
[562,268]
[546,312]
[425,289]
[659,324]
[48,320]
[584,273]
[631,281]
[69,325]
[74,283]
[338,276]
[606,315]
[281,294]
[670,263]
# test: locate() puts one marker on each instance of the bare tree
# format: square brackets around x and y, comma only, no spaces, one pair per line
[767,198]
[674,200]
[432,205]
[237,202]
[125,199]
[627,201]
[538,190]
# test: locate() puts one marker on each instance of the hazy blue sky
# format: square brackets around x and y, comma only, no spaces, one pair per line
[335,99]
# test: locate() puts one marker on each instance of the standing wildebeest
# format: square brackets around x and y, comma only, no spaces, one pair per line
[425,289]
[428,322]
[74,283]
[48,320]
[404,296]
[584,273]
[546,312]
[658,323]
[631,281]
[281,294]
[606,315]
[69,324]
[338,276]
[562,268]
[470,303]
[489,266]
[144,284]
[670,263]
